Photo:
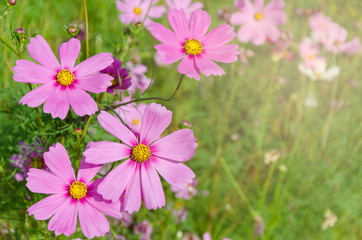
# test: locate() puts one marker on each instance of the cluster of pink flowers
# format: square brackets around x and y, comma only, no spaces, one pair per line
[143,152]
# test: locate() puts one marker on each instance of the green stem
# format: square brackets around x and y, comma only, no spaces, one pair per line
[237,187]
[39,119]
[266,185]
[86,28]
[150,98]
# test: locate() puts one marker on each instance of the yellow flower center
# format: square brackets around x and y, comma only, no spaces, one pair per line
[78,190]
[65,77]
[310,57]
[337,43]
[135,121]
[140,153]
[317,74]
[193,46]
[258,16]
[137,10]
[114,82]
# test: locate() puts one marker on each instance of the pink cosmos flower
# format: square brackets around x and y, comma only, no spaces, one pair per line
[335,40]
[186,193]
[136,177]
[131,115]
[309,53]
[185,5]
[319,22]
[71,197]
[258,22]
[121,78]
[139,79]
[190,43]
[62,84]
[134,11]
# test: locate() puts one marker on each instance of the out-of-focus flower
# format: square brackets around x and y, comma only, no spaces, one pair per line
[71,197]
[180,212]
[311,101]
[144,228]
[282,49]
[271,156]
[309,53]
[12,2]
[126,219]
[258,226]
[62,84]
[282,168]
[190,43]
[186,5]
[121,78]
[245,54]
[329,219]
[320,71]
[258,22]
[132,114]
[139,79]
[186,193]
[304,12]
[135,11]
[335,40]
[29,157]
[136,178]
[224,14]
[158,61]
[234,137]
[207,236]
[319,23]
[186,124]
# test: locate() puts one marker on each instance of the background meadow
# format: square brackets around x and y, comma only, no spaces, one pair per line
[237,119]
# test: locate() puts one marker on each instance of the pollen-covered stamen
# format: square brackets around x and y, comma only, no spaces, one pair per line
[310,57]
[77,190]
[114,82]
[258,16]
[140,153]
[137,10]
[193,46]
[65,77]
[135,121]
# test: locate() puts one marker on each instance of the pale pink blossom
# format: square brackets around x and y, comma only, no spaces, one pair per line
[259,23]
[135,11]
[186,5]
[310,53]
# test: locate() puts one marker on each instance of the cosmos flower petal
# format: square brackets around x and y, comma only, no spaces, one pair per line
[106,152]
[39,95]
[68,53]
[152,191]
[238,18]
[219,36]
[65,218]
[156,119]
[107,207]
[82,103]
[29,72]
[87,171]
[95,83]
[188,67]
[115,127]
[226,53]
[46,207]
[194,6]
[164,34]
[93,64]
[116,181]
[199,24]
[258,4]
[40,181]
[57,103]
[208,67]
[177,146]
[40,51]
[157,11]
[57,160]
[331,73]
[177,174]
[179,24]
[92,222]
[169,53]
[133,195]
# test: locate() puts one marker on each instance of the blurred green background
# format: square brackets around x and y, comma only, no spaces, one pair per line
[237,118]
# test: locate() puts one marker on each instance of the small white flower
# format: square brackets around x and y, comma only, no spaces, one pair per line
[320,72]
[329,219]
[271,156]
[311,102]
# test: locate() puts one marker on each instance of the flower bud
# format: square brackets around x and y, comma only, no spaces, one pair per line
[20,31]
[12,2]
[73,30]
